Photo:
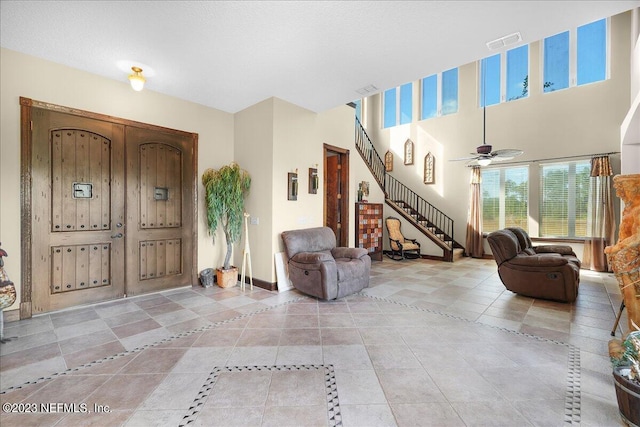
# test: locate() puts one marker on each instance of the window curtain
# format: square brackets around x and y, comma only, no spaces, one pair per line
[601,226]
[474,246]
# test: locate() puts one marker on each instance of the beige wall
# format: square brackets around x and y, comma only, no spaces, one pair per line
[22,75]
[254,152]
[576,121]
[336,127]
[274,138]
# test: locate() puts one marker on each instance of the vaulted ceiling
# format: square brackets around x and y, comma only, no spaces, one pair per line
[229,55]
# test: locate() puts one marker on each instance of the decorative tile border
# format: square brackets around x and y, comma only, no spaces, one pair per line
[572,394]
[155,344]
[333,406]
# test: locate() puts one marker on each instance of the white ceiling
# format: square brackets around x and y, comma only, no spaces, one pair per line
[232,54]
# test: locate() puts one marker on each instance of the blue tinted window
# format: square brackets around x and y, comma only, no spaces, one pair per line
[518,73]
[556,62]
[490,80]
[429,97]
[450,91]
[406,103]
[592,52]
[390,108]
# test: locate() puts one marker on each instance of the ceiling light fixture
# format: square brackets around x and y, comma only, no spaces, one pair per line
[484,162]
[137,79]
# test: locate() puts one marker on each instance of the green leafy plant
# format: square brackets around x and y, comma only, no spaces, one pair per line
[225,190]
[626,353]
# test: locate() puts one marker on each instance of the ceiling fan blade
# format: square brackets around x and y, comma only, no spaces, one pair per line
[464,158]
[506,154]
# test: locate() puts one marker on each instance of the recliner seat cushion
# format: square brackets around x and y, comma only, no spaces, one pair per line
[349,268]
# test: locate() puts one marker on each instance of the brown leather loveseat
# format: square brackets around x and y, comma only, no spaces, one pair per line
[544,275]
[317,267]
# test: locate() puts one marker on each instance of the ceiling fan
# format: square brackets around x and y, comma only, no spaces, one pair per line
[484,154]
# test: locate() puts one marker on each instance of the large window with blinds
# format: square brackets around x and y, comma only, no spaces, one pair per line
[505,198]
[564,199]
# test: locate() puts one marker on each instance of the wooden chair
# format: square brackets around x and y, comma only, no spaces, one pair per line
[401,247]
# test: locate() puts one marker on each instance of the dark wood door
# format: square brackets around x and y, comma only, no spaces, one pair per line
[78,199]
[111,211]
[336,197]
[160,210]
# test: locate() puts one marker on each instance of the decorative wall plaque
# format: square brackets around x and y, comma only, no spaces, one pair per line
[408,152]
[388,161]
[429,169]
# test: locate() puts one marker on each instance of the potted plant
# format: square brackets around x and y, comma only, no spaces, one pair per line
[225,190]
[625,357]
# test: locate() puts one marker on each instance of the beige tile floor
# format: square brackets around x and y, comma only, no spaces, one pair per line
[428,343]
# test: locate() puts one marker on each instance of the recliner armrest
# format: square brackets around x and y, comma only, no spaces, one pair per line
[558,249]
[312,257]
[344,252]
[541,260]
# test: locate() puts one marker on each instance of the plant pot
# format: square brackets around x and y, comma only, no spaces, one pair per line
[227,278]
[628,395]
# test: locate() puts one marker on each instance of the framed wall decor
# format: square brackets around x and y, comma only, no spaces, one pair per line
[388,161]
[408,152]
[314,181]
[292,185]
[429,169]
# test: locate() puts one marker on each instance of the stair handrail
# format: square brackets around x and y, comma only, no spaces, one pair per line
[398,192]
[440,222]
[370,155]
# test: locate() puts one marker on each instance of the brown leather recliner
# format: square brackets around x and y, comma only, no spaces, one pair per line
[540,275]
[317,267]
[527,246]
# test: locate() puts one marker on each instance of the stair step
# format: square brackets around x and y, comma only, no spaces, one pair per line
[458,253]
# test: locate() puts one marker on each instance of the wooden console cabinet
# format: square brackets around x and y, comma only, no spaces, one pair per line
[369,228]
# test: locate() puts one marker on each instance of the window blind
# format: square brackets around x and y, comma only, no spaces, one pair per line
[564,199]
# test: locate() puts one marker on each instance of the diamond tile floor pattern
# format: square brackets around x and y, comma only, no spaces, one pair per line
[428,343]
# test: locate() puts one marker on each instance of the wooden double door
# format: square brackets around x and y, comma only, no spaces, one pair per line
[111,212]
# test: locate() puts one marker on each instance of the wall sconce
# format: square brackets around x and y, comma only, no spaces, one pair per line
[314,180]
[292,185]
[137,79]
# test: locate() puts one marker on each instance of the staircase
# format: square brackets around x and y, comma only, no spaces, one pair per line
[425,217]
